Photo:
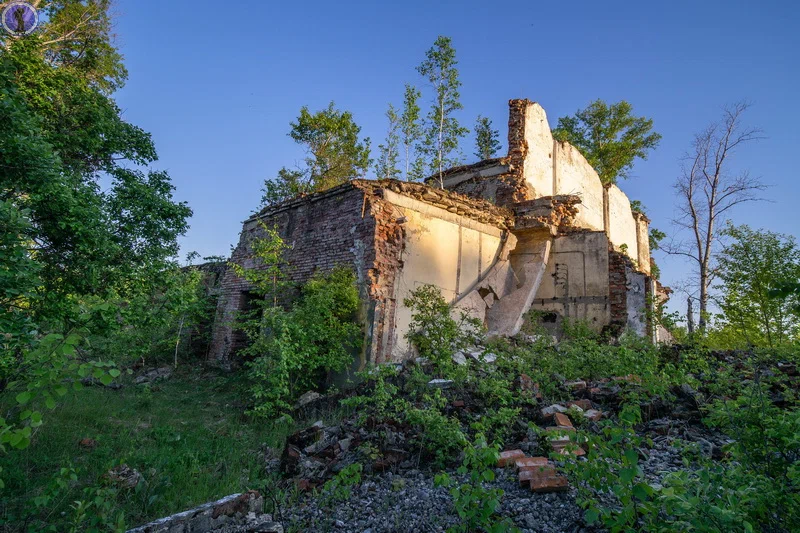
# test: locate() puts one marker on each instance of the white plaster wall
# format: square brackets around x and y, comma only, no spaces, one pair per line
[575,284]
[431,256]
[538,170]
[622,225]
[636,302]
[574,175]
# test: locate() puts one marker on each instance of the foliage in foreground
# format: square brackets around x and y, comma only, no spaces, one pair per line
[755,487]
[475,504]
[187,436]
[293,351]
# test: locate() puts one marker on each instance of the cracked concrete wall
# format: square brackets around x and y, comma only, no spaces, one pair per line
[441,249]
[575,176]
[621,223]
[636,301]
[538,164]
[575,284]
[643,242]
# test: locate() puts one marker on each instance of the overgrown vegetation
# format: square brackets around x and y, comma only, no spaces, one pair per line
[292,351]
[91,292]
[188,437]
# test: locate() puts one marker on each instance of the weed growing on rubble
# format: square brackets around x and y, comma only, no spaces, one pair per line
[434,331]
[754,486]
[497,424]
[613,468]
[338,488]
[440,435]
[475,504]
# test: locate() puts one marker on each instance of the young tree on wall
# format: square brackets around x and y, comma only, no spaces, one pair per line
[335,155]
[443,131]
[610,137]
[707,190]
[487,140]
[386,164]
[411,130]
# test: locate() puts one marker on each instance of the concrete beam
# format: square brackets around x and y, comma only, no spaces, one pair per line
[508,314]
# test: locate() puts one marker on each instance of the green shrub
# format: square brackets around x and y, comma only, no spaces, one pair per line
[94,511]
[434,331]
[613,468]
[338,488]
[439,435]
[475,504]
[497,424]
[293,351]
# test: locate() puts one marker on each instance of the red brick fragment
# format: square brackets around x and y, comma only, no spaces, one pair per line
[560,429]
[562,420]
[536,472]
[303,485]
[554,483]
[567,448]
[524,463]
[508,457]
[458,403]
[583,404]
[88,443]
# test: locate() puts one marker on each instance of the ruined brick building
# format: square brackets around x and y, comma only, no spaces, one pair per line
[535,229]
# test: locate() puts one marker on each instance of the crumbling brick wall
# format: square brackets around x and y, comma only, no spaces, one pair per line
[617,289]
[349,225]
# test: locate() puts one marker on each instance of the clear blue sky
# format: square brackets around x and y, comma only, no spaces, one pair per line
[217,84]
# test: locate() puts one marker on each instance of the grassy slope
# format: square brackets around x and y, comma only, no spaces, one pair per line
[187,436]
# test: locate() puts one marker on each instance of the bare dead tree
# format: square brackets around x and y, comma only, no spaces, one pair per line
[707,190]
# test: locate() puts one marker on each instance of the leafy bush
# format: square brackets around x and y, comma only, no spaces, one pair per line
[148,320]
[434,331]
[476,505]
[338,487]
[613,468]
[94,511]
[440,435]
[293,351]
[497,423]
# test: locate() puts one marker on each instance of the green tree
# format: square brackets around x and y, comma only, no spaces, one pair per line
[70,249]
[330,137]
[610,137]
[78,35]
[386,164]
[61,133]
[411,130]
[291,351]
[749,267]
[487,140]
[443,130]
[786,289]
[18,281]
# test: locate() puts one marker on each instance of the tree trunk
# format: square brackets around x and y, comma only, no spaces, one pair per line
[178,342]
[701,323]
